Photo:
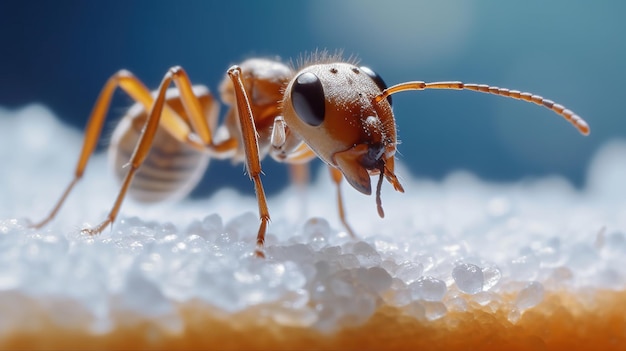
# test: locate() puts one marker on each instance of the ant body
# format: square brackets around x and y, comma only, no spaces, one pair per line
[329,108]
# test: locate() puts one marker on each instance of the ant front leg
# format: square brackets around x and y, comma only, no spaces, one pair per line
[251,147]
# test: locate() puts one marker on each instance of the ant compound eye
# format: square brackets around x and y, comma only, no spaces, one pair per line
[307,97]
[377,79]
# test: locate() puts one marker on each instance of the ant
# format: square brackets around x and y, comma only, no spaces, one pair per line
[328,108]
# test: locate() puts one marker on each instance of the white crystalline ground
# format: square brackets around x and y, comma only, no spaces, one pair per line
[441,245]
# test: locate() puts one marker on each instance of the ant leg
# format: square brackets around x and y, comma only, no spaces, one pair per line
[299,170]
[251,146]
[337,176]
[299,174]
[201,125]
[176,125]
[133,87]
[157,111]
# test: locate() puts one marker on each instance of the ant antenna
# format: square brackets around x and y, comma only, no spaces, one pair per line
[569,115]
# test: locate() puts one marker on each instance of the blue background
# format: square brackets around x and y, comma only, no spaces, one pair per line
[60,53]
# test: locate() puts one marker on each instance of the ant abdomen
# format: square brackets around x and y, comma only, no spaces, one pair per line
[172,169]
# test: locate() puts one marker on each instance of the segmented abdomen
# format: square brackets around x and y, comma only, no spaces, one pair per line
[170,171]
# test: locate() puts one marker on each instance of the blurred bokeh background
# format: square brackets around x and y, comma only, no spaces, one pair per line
[59,53]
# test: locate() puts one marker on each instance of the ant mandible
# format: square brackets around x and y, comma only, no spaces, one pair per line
[329,108]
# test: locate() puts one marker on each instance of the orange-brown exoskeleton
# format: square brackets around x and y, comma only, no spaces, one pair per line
[328,108]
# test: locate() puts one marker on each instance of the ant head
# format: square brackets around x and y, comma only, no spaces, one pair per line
[332,107]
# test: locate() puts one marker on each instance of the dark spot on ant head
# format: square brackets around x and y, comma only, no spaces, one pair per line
[372,159]
[333,70]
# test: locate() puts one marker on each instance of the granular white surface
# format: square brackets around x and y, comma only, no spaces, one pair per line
[441,246]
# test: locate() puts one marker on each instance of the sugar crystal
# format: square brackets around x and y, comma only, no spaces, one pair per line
[530,296]
[428,288]
[468,277]
[443,241]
